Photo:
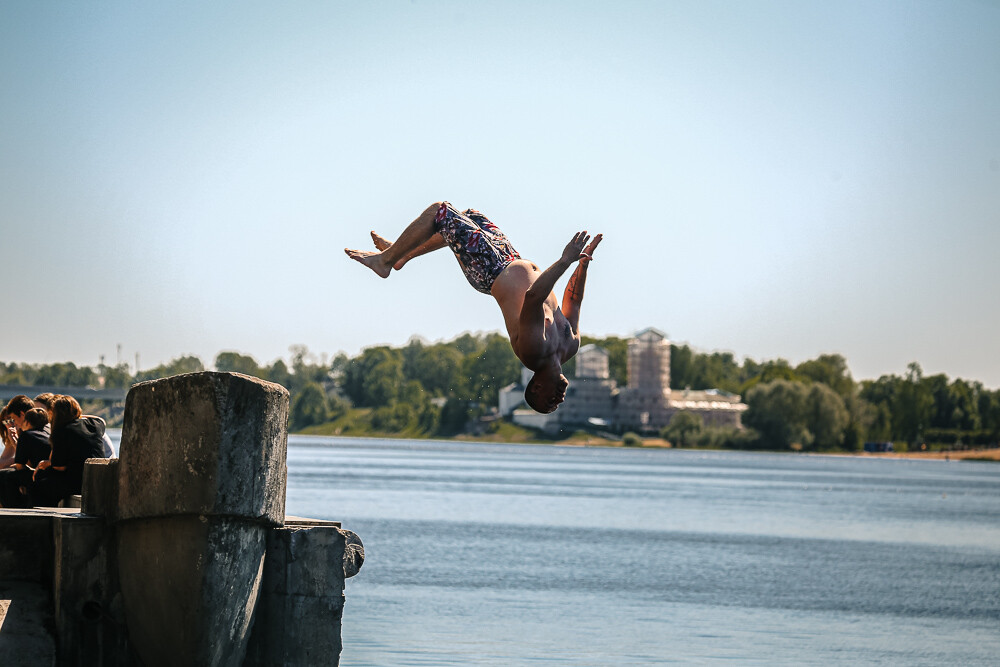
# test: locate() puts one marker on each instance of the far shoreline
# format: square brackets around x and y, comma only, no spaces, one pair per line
[580,440]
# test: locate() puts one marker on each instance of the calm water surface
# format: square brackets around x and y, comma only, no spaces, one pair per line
[482,554]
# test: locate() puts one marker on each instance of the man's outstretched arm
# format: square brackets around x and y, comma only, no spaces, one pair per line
[531,325]
[573,295]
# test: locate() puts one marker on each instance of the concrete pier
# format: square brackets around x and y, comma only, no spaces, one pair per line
[181,552]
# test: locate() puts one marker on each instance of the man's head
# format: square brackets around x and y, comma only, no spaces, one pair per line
[16,409]
[546,389]
[45,401]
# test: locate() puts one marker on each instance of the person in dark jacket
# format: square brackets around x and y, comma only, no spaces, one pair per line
[74,439]
[32,448]
[45,402]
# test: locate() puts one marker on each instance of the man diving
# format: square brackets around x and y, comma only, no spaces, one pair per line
[543,335]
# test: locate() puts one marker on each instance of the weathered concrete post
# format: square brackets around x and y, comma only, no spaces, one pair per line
[202,478]
[302,594]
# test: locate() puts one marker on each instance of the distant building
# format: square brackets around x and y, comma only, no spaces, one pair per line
[591,394]
[645,404]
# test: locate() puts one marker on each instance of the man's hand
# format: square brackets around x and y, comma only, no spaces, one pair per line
[573,295]
[42,465]
[575,248]
[588,253]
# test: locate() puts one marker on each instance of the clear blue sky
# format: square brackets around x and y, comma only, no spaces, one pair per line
[775,179]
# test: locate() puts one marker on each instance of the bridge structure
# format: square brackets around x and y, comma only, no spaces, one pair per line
[82,394]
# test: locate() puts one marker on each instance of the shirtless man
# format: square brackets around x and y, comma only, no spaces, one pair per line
[542,335]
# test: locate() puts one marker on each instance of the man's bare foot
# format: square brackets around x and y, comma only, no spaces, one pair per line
[381,243]
[373,260]
[384,244]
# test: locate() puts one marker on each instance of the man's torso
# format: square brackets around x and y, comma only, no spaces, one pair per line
[509,289]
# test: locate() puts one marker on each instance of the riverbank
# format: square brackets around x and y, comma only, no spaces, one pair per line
[659,443]
[956,455]
[513,434]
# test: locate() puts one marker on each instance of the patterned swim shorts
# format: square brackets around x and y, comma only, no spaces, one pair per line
[482,250]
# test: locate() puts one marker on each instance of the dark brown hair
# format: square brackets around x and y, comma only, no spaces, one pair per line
[65,409]
[46,399]
[4,431]
[19,405]
[37,417]
[534,397]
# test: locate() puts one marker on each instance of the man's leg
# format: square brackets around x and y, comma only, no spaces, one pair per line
[435,242]
[416,239]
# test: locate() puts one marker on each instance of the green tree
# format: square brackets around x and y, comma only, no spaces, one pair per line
[631,439]
[826,416]
[777,410]
[438,368]
[769,371]
[989,411]
[715,370]
[831,370]
[393,418]
[682,370]
[941,412]
[911,409]
[234,362]
[455,414]
[493,368]
[964,399]
[65,374]
[375,377]
[13,374]
[683,428]
[310,406]
[179,366]
[115,377]
[862,419]
[279,374]
[305,368]
[467,344]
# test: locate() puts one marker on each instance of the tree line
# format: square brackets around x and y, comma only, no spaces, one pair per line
[437,388]
[818,406]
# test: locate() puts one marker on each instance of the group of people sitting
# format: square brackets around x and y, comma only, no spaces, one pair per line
[45,443]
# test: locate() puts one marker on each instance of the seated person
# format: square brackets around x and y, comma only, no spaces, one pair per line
[32,448]
[45,401]
[74,439]
[13,424]
[8,434]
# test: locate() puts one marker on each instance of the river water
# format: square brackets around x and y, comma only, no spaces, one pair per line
[485,554]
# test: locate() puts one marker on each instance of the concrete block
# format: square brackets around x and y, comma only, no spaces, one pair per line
[88,615]
[26,545]
[100,488]
[204,444]
[189,586]
[298,618]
